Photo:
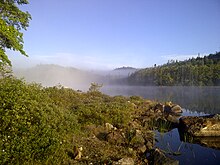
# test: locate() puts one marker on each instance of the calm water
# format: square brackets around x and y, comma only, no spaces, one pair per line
[191,153]
[196,101]
[200,99]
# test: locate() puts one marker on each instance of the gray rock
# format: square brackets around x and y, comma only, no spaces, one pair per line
[173,119]
[201,126]
[172,108]
[211,142]
[124,161]
[176,109]
[142,149]
[109,127]
[159,158]
[115,137]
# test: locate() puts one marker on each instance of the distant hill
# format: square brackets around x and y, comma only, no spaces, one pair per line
[200,71]
[125,68]
[123,72]
[50,75]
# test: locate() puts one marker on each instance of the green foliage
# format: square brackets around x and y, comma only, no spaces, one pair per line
[37,124]
[28,122]
[95,87]
[5,70]
[99,109]
[12,21]
[193,72]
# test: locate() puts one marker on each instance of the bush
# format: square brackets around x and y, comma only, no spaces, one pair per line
[38,125]
[28,122]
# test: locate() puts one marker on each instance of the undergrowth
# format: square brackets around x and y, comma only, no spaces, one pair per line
[38,124]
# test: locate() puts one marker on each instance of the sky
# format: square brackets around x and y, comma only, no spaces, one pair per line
[107,34]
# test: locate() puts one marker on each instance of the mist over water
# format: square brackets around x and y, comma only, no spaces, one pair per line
[200,99]
[70,77]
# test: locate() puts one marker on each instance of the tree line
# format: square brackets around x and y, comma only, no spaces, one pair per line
[200,71]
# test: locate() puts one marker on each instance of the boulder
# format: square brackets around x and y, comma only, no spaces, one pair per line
[172,108]
[173,119]
[157,157]
[124,161]
[211,142]
[200,126]
[149,145]
[142,149]
[115,137]
[109,127]
[176,109]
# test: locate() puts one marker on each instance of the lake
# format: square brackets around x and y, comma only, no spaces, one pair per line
[195,101]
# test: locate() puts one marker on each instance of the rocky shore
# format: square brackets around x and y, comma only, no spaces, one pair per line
[57,125]
[138,138]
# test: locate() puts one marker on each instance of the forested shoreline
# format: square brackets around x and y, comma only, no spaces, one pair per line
[200,71]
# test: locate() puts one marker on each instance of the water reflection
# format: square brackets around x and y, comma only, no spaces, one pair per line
[200,99]
[189,153]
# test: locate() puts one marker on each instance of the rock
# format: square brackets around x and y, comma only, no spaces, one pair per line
[200,126]
[159,158]
[211,142]
[172,108]
[167,107]
[149,137]
[109,127]
[124,161]
[76,153]
[142,149]
[149,145]
[176,109]
[138,140]
[173,119]
[115,137]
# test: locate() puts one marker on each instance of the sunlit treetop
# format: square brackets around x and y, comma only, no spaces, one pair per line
[12,21]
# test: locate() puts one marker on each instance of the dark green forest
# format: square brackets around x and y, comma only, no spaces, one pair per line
[200,71]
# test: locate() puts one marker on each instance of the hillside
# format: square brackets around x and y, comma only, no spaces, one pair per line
[50,75]
[200,71]
[124,71]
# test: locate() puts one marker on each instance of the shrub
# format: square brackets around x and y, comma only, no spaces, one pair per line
[28,122]
[38,125]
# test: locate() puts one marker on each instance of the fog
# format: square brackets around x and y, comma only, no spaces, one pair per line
[78,79]
[200,99]
[51,75]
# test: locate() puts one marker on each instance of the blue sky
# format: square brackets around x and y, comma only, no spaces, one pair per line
[105,34]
